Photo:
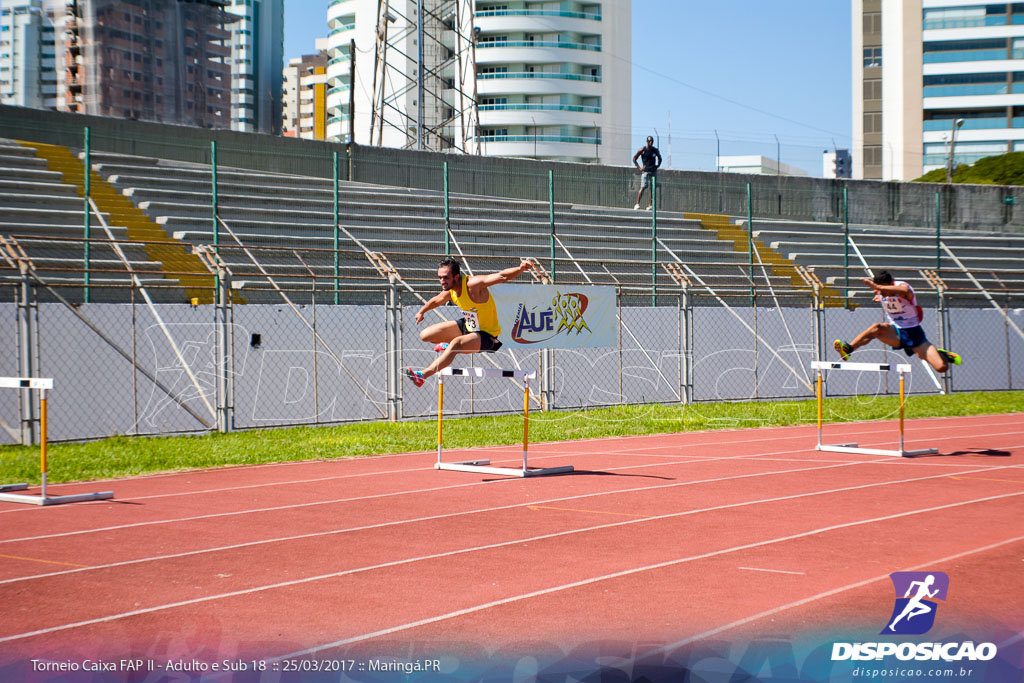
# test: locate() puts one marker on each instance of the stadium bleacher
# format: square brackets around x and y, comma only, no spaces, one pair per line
[160,209]
[264,210]
[996,261]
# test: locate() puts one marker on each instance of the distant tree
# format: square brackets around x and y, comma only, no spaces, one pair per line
[1005,169]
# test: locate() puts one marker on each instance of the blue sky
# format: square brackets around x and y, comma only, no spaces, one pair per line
[750,69]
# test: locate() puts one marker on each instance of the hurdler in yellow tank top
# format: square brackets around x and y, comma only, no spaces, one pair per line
[479,317]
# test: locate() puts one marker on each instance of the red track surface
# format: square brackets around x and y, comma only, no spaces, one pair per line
[658,541]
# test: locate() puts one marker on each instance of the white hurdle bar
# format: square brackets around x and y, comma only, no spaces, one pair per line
[483,466]
[901,368]
[42,384]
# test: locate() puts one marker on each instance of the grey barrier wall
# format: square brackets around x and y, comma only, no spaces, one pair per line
[287,377]
[927,205]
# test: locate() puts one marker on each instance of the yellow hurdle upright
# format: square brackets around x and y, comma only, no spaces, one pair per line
[484,466]
[820,366]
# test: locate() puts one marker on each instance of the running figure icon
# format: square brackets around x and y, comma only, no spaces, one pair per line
[916,605]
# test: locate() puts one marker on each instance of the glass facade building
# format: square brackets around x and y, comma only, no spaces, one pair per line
[935,77]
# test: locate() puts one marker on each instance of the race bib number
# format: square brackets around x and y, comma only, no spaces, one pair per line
[893,305]
[472,322]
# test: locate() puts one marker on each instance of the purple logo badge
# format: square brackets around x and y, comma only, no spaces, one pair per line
[914,612]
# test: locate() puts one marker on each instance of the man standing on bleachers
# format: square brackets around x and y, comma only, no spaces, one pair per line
[651,157]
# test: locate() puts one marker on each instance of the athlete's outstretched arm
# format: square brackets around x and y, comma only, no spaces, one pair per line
[501,276]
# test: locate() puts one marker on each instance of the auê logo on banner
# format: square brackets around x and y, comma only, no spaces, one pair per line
[914,612]
[556,316]
[565,315]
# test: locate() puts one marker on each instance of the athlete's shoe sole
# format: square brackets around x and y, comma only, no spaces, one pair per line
[441,347]
[842,348]
[951,357]
[416,376]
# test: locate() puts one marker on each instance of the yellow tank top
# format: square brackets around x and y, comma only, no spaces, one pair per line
[479,317]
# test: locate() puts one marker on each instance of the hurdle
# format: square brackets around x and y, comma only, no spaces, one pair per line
[902,369]
[42,384]
[483,466]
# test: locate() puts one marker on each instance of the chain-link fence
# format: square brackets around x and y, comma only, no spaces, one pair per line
[140,367]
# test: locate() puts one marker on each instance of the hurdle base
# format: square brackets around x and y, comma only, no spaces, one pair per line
[53,500]
[481,467]
[4,488]
[852,448]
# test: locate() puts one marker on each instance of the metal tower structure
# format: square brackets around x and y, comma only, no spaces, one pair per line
[424,78]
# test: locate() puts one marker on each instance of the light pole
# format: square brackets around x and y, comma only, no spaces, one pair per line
[952,144]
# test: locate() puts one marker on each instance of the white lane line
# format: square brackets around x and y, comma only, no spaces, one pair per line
[292,506]
[773,571]
[334,501]
[626,451]
[827,594]
[575,584]
[538,456]
[449,515]
[375,496]
[637,570]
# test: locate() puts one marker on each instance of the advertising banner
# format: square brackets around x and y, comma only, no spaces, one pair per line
[557,316]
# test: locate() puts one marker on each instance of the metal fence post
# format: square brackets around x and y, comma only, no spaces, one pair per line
[213,202]
[551,221]
[86,256]
[392,378]
[447,216]
[944,328]
[756,340]
[654,241]
[846,246]
[549,403]
[27,361]
[685,331]
[818,307]
[618,318]
[213,191]
[938,232]
[224,316]
[750,242]
[336,231]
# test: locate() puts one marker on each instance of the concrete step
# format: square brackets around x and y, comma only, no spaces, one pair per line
[29,174]
[44,215]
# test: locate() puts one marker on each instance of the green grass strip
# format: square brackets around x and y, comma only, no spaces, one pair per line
[127,456]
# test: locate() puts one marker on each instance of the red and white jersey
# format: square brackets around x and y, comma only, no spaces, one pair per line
[899,311]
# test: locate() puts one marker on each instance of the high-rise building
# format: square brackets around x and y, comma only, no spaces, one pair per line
[305,95]
[922,66]
[30,56]
[257,59]
[211,63]
[153,60]
[551,80]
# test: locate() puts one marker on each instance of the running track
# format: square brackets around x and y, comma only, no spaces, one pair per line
[655,543]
